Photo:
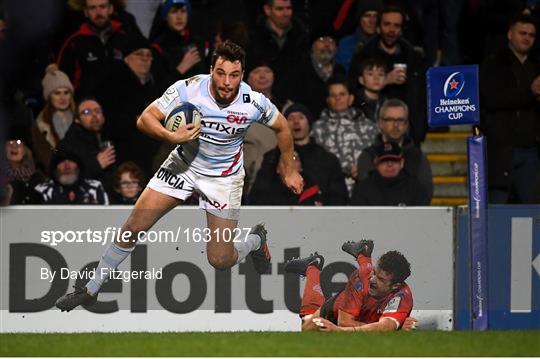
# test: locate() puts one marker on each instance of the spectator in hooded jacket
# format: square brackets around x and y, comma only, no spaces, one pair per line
[68,184]
[181,53]
[368,16]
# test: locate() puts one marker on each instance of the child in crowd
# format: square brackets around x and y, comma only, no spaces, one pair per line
[372,81]
[128,184]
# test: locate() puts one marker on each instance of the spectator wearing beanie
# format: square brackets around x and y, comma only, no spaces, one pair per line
[321,169]
[57,115]
[388,184]
[68,183]
[367,17]
[181,52]
[259,138]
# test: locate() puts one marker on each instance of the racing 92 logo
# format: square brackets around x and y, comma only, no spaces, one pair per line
[454,84]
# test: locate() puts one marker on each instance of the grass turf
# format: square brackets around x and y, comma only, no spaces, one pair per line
[493,343]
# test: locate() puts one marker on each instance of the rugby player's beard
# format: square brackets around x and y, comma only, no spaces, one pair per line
[221,100]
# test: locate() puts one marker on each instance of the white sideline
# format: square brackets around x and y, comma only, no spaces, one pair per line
[54,321]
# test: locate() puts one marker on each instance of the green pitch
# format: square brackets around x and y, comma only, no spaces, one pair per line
[493,343]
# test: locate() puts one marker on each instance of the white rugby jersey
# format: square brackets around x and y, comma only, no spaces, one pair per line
[218,151]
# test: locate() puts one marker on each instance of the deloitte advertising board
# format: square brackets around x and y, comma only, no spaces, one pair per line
[168,285]
[453,97]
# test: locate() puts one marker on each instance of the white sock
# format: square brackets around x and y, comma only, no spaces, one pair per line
[252,243]
[110,260]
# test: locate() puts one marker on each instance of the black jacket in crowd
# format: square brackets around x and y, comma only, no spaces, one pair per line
[319,167]
[124,99]
[87,60]
[172,47]
[263,47]
[308,88]
[83,191]
[416,163]
[85,145]
[379,191]
[510,112]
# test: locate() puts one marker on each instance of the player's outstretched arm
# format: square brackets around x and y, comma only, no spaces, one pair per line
[383,325]
[347,320]
[150,123]
[290,176]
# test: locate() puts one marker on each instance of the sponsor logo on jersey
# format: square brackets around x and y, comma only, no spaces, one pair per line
[236,119]
[246,98]
[221,127]
[168,96]
[170,178]
[264,114]
[392,305]
[358,286]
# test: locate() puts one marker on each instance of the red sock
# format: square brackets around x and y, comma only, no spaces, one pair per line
[364,269]
[313,297]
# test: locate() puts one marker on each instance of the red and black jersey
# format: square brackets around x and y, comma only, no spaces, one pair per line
[356,301]
[88,59]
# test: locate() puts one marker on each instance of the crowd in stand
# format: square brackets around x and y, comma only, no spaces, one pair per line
[348,75]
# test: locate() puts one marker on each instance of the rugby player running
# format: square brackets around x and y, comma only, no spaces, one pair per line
[207,159]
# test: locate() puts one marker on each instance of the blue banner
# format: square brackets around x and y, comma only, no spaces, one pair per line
[514,270]
[476,148]
[453,97]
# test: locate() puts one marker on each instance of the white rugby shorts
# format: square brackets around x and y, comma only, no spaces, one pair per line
[220,196]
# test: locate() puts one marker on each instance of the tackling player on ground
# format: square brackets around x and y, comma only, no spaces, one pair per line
[208,159]
[373,300]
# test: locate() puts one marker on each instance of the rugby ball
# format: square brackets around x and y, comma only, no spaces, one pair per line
[182,115]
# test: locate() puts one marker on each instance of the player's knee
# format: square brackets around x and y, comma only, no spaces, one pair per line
[220,261]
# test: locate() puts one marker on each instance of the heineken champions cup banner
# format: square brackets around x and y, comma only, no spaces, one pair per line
[453,97]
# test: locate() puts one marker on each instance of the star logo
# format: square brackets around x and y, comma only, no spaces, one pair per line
[454,84]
